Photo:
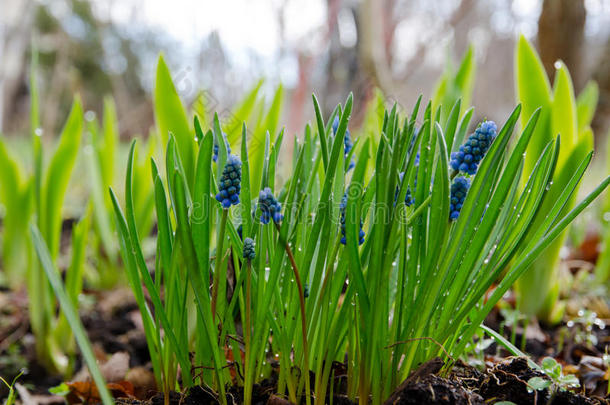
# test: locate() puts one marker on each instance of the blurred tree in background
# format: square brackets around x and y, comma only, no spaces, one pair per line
[331,47]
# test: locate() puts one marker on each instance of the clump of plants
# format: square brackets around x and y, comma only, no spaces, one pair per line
[380,251]
[335,263]
[37,194]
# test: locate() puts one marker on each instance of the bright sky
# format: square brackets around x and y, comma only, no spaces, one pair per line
[242,24]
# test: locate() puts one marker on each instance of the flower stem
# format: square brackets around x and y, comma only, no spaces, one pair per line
[248,384]
[419,209]
[218,261]
[297,278]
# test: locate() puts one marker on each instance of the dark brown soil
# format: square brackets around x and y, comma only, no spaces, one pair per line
[507,381]
[464,385]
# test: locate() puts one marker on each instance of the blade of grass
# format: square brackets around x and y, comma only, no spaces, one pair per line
[71,314]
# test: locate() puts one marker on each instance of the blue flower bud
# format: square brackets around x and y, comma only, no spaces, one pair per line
[347,142]
[249,252]
[459,189]
[336,124]
[342,207]
[270,207]
[230,183]
[409,199]
[215,155]
[471,153]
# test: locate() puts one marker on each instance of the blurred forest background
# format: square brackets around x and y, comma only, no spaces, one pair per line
[330,47]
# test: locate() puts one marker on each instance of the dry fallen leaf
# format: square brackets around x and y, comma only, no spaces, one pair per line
[87,392]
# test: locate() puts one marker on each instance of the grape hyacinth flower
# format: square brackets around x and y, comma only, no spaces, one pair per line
[249,252]
[412,145]
[459,189]
[342,207]
[230,183]
[347,142]
[469,156]
[215,155]
[409,199]
[270,207]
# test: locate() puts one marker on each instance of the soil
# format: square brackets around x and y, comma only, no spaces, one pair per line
[505,381]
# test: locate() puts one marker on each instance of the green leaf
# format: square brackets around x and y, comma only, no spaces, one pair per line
[462,129]
[106,151]
[16,196]
[464,78]
[170,116]
[246,194]
[129,260]
[586,103]
[195,276]
[569,381]
[143,200]
[256,146]
[551,367]
[240,114]
[74,273]
[71,314]
[533,91]
[61,389]
[509,346]
[321,130]
[35,130]
[201,204]
[539,383]
[452,122]
[353,227]
[454,85]
[201,108]
[563,112]
[57,177]
[98,197]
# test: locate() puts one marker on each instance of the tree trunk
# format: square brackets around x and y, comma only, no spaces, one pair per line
[561,35]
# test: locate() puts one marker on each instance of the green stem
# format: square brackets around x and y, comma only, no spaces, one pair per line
[218,261]
[297,278]
[329,269]
[321,382]
[248,383]
[419,209]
